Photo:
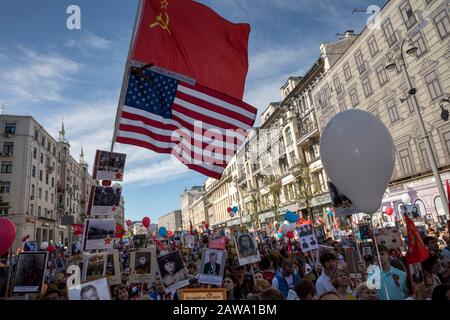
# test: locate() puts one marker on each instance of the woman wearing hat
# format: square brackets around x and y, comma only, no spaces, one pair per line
[170,274]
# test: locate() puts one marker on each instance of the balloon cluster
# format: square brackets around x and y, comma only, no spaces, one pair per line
[232,211]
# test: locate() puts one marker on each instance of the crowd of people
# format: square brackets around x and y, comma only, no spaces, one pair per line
[284,272]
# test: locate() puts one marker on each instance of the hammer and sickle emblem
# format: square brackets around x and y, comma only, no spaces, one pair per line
[162,21]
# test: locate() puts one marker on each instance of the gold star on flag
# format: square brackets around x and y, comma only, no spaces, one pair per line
[107,240]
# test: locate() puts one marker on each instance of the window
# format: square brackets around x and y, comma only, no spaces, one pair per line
[32,209]
[292,158]
[42,157]
[49,146]
[360,62]
[373,47]
[407,14]
[382,75]
[32,191]
[43,142]
[10,128]
[8,148]
[288,136]
[347,72]
[433,85]
[5,186]
[342,106]
[40,175]
[392,110]
[389,32]
[6,167]
[46,178]
[53,182]
[46,195]
[442,22]
[337,84]
[447,140]
[410,104]
[424,154]
[4,209]
[420,44]
[39,211]
[34,153]
[367,87]
[405,161]
[33,171]
[354,97]
[51,197]
[40,193]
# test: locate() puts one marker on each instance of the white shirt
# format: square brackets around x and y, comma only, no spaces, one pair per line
[323,284]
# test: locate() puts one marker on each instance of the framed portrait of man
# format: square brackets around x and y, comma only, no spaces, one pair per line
[143,265]
[212,266]
[93,290]
[247,249]
[30,272]
[112,267]
[307,238]
[5,276]
[172,271]
[203,294]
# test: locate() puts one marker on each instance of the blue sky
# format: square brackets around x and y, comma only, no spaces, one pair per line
[51,73]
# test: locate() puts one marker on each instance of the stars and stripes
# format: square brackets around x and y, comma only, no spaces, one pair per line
[199,126]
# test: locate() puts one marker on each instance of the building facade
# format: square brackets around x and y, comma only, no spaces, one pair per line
[39,181]
[187,199]
[171,221]
[359,79]
[197,211]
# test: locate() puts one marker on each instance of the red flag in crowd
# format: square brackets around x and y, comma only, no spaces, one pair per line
[77,229]
[219,243]
[191,227]
[417,252]
[191,39]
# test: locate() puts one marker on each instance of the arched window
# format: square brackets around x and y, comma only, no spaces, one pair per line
[421,204]
[399,207]
[438,206]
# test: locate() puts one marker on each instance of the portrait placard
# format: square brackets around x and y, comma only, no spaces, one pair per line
[30,272]
[93,290]
[104,201]
[390,237]
[247,249]
[112,268]
[93,266]
[143,265]
[307,238]
[98,234]
[212,266]
[5,278]
[109,165]
[203,294]
[172,271]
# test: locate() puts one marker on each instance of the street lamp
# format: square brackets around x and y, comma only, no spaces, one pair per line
[390,64]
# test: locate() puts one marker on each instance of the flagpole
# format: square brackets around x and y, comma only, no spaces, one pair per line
[126,72]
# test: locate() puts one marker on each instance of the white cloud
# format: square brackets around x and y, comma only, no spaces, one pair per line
[35,77]
[89,40]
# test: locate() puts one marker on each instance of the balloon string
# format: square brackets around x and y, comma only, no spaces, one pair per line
[379,258]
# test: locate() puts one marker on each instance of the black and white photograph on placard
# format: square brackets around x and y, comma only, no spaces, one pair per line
[247,249]
[364,231]
[142,264]
[212,266]
[367,250]
[413,211]
[307,238]
[5,278]
[98,234]
[105,201]
[94,266]
[30,272]
[109,165]
[112,267]
[93,290]
[172,271]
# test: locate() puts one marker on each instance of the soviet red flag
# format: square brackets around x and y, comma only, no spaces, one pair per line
[417,252]
[189,38]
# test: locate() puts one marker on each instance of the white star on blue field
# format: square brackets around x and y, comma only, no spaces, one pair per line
[51,73]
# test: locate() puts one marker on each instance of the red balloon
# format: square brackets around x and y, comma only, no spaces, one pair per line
[290,234]
[7,234]
[389,211]
[146,222]
[128,223]
[229,209]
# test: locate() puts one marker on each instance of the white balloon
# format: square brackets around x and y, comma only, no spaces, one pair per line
[284,229]
[44,245]
[357,152]
[286,222]
[291,227]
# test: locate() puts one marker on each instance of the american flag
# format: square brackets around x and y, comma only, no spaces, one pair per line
[201,127]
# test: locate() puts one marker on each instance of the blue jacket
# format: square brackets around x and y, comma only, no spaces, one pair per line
[282,283]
